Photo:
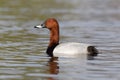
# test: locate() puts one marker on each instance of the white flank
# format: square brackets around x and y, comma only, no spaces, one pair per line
[72,49]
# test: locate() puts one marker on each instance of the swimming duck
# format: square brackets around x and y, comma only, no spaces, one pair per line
[72,49]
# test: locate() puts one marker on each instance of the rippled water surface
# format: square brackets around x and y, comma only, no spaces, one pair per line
[22,48]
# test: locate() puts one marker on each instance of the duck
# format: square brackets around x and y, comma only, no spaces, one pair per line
[68,49]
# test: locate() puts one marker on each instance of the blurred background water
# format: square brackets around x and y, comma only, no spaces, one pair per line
[22,48]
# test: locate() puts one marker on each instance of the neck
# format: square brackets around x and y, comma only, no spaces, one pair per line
[54,41]
[54,37]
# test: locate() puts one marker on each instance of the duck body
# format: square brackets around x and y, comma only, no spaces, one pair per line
[74,49]
[69,49]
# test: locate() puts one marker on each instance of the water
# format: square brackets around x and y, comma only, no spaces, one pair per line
[22,48]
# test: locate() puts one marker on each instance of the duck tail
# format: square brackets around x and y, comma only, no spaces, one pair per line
[92,51]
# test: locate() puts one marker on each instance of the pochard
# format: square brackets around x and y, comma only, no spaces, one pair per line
[69,49]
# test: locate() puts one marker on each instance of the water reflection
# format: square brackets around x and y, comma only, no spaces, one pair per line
[54,67]
[67,68]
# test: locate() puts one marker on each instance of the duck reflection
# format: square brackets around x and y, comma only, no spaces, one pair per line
[63,67]
[54,68]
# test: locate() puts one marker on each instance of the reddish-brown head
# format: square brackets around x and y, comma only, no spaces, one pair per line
[50,23]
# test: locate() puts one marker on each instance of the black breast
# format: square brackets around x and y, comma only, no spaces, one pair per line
[50,50]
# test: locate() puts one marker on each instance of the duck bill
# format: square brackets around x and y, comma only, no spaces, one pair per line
[39,26]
